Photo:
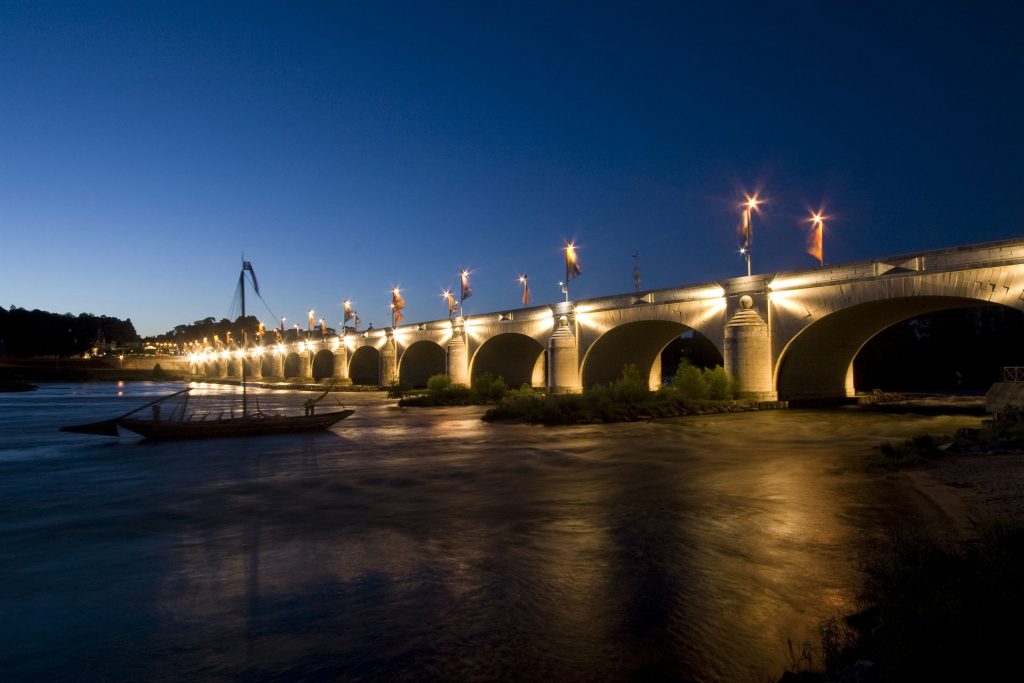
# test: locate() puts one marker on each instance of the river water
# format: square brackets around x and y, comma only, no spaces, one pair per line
[425,544]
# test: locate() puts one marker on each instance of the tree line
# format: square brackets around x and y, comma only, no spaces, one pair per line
[208,328]
[41,333]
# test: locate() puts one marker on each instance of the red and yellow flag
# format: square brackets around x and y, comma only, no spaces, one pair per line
[526,289]
[815,239]
[453,306]
[397,305]
[311,320]
[572,264]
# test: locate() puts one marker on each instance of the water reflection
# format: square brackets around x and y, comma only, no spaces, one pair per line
[425,543]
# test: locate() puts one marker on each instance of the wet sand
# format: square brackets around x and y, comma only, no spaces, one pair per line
[972,490]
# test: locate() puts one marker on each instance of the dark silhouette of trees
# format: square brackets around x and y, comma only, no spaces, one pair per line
[959,350]
[208,327]
[40,333]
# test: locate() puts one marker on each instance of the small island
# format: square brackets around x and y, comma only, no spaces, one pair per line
[692,391]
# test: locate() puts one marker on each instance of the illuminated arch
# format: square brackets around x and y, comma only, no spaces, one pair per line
[421,360]
[818,361]
[517,358]
[292,365]
[639,343]
[364,366]
[323,364]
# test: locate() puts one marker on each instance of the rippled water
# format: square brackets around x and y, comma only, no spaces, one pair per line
[423,543]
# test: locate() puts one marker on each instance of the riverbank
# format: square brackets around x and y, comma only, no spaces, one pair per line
[941,600]
[973,490]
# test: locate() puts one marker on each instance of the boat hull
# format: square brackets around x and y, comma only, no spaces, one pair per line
[248,426]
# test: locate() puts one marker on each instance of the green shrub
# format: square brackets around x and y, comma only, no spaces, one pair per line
[438,384]
[398,390]
[719,384]
[631,387]
[690,382]
[488,389]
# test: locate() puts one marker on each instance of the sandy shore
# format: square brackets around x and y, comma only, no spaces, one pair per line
[973,489]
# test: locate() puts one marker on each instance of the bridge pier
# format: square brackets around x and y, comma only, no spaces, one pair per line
[563,365]
[748,353]
[389,362]
[305,369]
[339,368]
[277,365]
[458,357]
[255,365]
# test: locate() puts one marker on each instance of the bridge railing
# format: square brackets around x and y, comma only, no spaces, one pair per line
[1013,374]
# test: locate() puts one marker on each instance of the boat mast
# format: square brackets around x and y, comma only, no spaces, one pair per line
[241,287]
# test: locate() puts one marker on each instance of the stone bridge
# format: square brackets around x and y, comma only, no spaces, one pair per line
[789,335]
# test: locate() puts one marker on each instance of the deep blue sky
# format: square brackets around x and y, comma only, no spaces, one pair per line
[347,148]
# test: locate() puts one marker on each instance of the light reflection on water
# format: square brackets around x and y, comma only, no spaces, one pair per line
[427,544]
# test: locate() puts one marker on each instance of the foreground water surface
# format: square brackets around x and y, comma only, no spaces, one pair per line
[423,543]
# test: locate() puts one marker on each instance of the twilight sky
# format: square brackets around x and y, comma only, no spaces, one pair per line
[350,147]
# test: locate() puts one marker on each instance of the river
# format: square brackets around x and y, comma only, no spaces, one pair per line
[425,544]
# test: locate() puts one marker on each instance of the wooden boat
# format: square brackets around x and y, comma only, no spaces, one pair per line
[249,425]
[180,425]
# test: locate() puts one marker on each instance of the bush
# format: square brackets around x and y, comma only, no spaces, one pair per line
[690,382]
[719,384]
[488,389]
[438,384]
[631,387]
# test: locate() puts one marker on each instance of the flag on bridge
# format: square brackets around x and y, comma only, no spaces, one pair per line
[572,264]
[744,229]
[466,291]
[397,304]
[815,240]
[350,313]
[526,289]
[450,300]
[311,320]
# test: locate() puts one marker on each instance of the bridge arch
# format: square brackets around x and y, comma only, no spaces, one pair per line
[639,343]
[818,362]
[251,364]
[364,366]
[292,364]
[517,358]
[419,361]
[323,364]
